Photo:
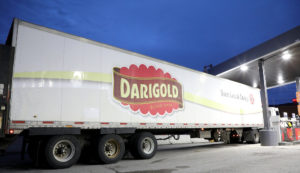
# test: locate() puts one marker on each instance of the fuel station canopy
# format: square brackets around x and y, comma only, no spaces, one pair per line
[271,64]
[281,56]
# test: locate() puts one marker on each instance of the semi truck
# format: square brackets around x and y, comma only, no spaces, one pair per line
[69,96]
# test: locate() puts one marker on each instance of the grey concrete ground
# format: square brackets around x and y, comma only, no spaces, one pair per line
[197,157]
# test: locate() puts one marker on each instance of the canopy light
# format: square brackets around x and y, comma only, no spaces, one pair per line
[254,85]
[244,68]
[280,80]
[286,55]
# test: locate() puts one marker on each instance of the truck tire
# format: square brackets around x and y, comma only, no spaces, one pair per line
[110,148]
[225,137]
[216,135]
[252,136]
[62,151]
[255,137]
[143,145]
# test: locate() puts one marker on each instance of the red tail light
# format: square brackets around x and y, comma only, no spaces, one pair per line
[11,131]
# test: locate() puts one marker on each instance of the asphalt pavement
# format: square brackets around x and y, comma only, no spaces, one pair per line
[173,158]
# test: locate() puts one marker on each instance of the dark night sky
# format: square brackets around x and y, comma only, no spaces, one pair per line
[190,33]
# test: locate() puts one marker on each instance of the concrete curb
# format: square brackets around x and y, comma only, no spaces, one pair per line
[289,143]
[296,142]
[285,143]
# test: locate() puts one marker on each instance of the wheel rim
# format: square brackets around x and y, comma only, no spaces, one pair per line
[111,148]
[217,136]
[148,145]
[64,150]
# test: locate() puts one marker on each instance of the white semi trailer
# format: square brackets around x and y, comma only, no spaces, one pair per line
[65,94]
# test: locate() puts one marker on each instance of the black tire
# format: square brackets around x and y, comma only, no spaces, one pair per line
[110,148]
[143,145]
[216,134]
[255,137]
[62,151]
[251,136]
[225,137]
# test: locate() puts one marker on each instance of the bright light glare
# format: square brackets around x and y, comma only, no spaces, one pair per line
[77,75]
[254,84]
[280,80]
[244,68]
[202,78]
[286,55]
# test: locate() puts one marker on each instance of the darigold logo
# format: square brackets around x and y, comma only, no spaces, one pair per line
[147,90]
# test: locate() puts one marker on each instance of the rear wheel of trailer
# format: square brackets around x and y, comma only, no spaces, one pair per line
[143,145]
[110,148]
[62,151]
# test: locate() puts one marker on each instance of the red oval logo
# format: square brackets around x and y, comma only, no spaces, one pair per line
[147,90]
